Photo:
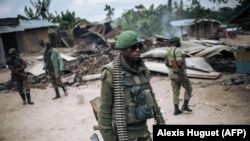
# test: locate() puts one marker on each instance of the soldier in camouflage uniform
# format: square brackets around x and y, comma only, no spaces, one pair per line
[127,99]
[17,66]
[53,66]
[175,61]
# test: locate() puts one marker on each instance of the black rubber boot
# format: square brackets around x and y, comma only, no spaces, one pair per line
[185,106]
[23,98]
[57,94]
[29,99]
[177,111]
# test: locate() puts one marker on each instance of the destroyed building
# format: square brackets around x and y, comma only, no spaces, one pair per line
[24,35]
[202,28]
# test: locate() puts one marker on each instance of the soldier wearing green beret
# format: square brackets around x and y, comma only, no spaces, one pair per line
[127,99]
[175,61]
[17,66]
[53,66]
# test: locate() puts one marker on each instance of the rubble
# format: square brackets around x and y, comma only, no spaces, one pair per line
[95,47]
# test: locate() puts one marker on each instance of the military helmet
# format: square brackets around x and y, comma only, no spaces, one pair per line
[47,41]
[174,39]
[127,39]
[12,50]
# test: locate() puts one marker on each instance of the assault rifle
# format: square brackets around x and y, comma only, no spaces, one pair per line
[20,71]
[178,70]
[94,137]
[182,77]
[95,103]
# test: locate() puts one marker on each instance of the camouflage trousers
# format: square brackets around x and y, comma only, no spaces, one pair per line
[22,85]
[56,81]
[176,87]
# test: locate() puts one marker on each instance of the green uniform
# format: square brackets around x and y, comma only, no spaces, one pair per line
[20,78]
[136,126]
[176,79]
[53,63]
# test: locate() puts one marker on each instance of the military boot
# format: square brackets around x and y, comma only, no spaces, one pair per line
[185,106]
[29,99]
[177,111]
[23,98]
[57,94]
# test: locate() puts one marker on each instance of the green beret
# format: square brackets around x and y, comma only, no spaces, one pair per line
[174,39]
[47,41]
[127,39]
[12,50]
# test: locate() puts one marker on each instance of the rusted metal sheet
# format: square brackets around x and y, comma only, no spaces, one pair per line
[161,68]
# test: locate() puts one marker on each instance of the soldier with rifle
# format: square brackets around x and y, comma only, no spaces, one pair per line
[175,61]
[127,100]
[17,66]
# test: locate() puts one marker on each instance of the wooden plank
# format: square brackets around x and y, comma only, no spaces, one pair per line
[91,77]
[65,42]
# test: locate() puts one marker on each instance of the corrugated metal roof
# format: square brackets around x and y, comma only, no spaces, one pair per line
[185,22]
[26,24]
[188,22]
[210,20]
[8,29]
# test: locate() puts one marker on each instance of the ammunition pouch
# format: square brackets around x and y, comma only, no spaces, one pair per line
[143,110]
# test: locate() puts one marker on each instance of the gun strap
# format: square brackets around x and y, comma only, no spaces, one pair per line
[119,100]
[174,53]
[158,120]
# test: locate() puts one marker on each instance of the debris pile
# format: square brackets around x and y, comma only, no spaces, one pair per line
[224,62]
[95,49]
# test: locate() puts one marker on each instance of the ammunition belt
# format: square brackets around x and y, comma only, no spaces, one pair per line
[119,101]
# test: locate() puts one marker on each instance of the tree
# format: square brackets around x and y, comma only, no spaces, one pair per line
[41,10]
[143,20]
[66,20]
[221,1]
[223,13]
[110,12]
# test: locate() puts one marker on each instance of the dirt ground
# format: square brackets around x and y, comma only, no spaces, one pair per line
[68,119]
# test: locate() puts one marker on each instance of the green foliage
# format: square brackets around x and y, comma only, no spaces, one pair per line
[145,21]
[223,13]
[157,20]
[66,20]
[41,10]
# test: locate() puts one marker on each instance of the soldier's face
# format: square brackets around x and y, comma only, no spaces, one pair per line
[134,52]
[48,45]
[13,55]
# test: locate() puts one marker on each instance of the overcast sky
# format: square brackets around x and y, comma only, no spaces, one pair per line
[92,10]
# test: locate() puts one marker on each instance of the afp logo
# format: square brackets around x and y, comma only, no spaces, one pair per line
[233,133]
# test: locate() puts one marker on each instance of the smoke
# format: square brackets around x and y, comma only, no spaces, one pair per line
[168,29]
